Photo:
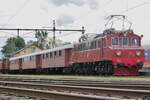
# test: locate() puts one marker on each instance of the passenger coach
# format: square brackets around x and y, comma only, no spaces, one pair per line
[47,61]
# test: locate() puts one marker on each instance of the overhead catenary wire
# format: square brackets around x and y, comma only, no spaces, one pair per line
[136,6]
[17,12]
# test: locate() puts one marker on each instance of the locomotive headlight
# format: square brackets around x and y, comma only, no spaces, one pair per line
[138,53]
[118,53]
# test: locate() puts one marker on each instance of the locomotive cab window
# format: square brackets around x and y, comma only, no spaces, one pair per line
[125,41]
[114,41]
[134,41]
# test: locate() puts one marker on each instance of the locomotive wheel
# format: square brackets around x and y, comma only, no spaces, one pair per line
[67,70]
[104,68]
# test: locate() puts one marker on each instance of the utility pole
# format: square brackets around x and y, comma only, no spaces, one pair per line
[17,32]
[54,29]
[83,30]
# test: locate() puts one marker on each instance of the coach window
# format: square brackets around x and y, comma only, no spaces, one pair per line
[134,41]
[125,41]
[30,58]
[43,56]
[55,53]
[51,54]
[60,53]
[114,41]
[46,55]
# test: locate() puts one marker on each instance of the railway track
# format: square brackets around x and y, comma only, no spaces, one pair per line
[84,90]
[51,95]
[22,79]
[110,85]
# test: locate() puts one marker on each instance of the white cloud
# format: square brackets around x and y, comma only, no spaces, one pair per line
[93,4]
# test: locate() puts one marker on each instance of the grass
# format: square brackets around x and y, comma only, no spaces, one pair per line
[73,77]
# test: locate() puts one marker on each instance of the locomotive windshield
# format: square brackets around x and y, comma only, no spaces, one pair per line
[125,41]
[134,41]
[114,41]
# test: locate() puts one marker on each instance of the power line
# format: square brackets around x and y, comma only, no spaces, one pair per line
[8,33]
[137,6]
[17,12]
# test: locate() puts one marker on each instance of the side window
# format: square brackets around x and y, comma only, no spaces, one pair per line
[88,45]
[125,41]
[80,47]
[60,53]
[76,47]
[43,56]
[30,58]
[46,55]
[55,53]
[114,41]
[99,44]
[83,46]
[134,41]
[92,45]
[51,54]
[95,44]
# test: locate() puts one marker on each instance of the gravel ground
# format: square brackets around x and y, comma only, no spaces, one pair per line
[6,96]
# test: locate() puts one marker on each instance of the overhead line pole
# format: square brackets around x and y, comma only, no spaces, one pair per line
[54,29]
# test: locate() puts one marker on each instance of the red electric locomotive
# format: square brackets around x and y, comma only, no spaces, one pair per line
[113,52]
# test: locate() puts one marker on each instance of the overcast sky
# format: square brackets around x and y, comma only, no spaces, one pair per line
[72,14]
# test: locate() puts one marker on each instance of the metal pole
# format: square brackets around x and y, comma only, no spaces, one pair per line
[83,31]
[17,32]
[54,29]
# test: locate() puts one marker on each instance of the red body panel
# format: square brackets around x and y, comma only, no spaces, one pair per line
[5,64]
[53,62]
[67,58]
[128,56]
[1,67]
[86,56]
[28,65]
[57,61]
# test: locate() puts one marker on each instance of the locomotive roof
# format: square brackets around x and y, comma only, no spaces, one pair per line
[113,30]
[63,47]
[94,36]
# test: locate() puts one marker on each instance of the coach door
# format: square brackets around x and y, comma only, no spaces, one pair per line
[20,64]
[38,61]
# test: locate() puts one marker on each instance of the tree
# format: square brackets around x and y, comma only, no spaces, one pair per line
[44,41]
[13,44]
[50,42]
[41,38]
